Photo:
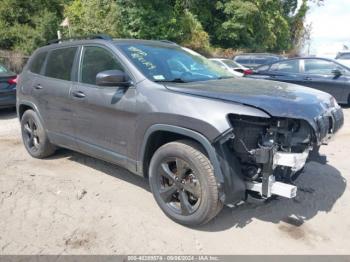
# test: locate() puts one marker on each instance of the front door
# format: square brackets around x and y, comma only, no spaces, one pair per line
[318,74]
[104,117]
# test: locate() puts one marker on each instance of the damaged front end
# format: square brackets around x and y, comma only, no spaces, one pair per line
[269,152]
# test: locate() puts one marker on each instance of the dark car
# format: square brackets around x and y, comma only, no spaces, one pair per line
[202,137]
[253,60]
[320,73]
[7,88]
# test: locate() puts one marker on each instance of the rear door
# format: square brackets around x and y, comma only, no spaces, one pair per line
[319,75]
[104,117]
[51,90]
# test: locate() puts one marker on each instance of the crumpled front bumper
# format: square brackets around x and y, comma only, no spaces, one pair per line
[295,161]
[328,124]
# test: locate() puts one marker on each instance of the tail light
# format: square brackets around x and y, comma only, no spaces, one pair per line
[248,72]
[12,81]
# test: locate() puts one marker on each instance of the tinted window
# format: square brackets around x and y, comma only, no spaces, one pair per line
[96,60]
[291,66]
[321,67]
[37,63]
[60,63]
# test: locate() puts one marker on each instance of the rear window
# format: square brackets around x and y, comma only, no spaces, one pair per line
[60,63]
[3,69]
[242,59]
[37,63]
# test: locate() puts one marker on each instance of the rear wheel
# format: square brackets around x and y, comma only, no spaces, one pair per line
[183,183]
[34,136]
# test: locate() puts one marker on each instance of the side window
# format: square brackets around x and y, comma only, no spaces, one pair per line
[37,63]
[60,63]
[291,66]
[319,67]
[95,60]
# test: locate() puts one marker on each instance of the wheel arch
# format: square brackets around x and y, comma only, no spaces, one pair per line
[24,106]
[159,134]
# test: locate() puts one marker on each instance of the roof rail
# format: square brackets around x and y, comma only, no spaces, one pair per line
[167,41]
[98,36]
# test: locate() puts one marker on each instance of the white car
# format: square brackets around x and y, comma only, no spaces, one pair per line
[343,57]
[232,66]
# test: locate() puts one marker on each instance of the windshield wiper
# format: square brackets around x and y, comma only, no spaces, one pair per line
[175,80]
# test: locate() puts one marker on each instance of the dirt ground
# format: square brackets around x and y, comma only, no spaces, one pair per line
[74,204]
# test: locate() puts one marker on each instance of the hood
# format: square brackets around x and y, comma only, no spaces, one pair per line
[275,98]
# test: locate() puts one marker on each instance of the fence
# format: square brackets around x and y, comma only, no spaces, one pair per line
[13,61]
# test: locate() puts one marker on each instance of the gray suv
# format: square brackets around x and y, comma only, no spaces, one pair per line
[202,137]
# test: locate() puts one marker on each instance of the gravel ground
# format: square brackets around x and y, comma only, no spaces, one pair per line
[74,204]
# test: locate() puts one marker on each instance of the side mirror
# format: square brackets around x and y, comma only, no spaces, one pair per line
[337,72]
[112,78]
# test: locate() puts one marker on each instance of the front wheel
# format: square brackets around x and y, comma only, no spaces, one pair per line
[183,183]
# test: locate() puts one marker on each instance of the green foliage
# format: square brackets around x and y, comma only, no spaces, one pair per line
[24,24]
[256,24]
[272,25]
[88,17]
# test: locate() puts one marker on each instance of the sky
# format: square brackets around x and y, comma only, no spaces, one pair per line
[330,27]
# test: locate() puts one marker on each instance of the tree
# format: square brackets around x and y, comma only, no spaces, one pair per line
[24,25]
[87,17]
[157,19]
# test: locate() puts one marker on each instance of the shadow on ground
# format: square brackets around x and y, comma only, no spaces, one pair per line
[7,113]
[319,187]
[104,167]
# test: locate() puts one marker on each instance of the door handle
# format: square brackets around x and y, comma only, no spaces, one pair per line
[38,87]
[78,94]
[307,78]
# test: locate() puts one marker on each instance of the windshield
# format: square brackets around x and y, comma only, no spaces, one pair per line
[172,64]
[231,63]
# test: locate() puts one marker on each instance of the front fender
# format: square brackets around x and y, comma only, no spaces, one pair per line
[226,168]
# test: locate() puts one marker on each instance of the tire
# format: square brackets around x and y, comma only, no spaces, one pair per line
[34,136]
[183,183]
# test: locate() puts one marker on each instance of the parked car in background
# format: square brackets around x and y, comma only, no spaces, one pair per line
[343,57]
[202,137]
[319,73]
[7,88]
[253,60]
[231,66]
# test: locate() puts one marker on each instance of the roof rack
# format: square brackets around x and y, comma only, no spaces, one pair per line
[98,36]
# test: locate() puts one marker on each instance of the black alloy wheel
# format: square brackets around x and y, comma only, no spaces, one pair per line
[179,186]
[183,183]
